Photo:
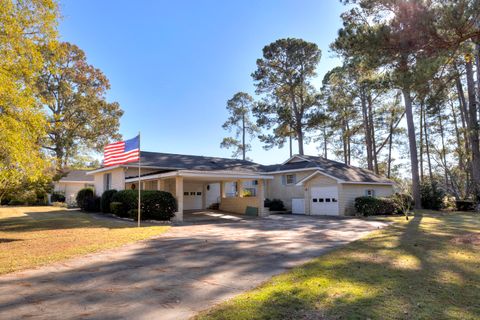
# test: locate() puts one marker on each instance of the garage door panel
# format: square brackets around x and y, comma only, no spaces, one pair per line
[324,200]
[192,196]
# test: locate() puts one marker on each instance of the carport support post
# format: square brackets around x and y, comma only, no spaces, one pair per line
[179,196]
[261,197]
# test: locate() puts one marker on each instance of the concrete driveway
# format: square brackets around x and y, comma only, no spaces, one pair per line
[173,276]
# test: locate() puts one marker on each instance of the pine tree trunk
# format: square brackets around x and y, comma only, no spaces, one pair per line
[459,140]
[368,131]
[243,137]
[372,134]
[444,152]
[325,150]
[421,143]
[427,145]
[390,142]
[473,129]
[413,148]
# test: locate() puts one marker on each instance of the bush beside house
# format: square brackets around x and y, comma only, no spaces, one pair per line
[399,203]
[155,205]
[87,200]
[274,205]
[106,200]
[57,197]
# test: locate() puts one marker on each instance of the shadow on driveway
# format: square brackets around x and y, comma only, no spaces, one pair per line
[177,274]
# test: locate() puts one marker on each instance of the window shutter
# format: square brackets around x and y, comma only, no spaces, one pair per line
[294,178]
[284,180]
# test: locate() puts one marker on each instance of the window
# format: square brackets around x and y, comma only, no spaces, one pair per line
[334,200]
[370,193]
[192,193]
[199,193]
[320,199]
[107,181]
[185,193]
[289,179]
[327,200]
[315,200]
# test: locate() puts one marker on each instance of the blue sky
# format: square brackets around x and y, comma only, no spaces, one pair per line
[173,65]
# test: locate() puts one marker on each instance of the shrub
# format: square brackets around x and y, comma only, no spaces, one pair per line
[431,195]
[274,205]
[106,200]
[59,204]
[403,202]
[370,206]
[156,205]
[57,197]
[465,205]
[93,204]
[87,200]
[117,208]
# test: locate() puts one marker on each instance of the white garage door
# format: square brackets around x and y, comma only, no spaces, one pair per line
[324,201]
[192,196]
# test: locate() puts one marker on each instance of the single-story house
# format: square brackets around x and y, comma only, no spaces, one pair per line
[72,182]
[306,184]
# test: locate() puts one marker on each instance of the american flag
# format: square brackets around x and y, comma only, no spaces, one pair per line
[122,152]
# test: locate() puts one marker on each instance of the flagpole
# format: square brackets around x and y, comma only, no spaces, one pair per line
[139,181]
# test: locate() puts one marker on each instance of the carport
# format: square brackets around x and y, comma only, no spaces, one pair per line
[197,190]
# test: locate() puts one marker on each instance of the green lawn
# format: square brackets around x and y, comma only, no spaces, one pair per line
[426,268]
[34,236]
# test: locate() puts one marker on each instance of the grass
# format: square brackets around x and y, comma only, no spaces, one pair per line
[35,236]
[426,268]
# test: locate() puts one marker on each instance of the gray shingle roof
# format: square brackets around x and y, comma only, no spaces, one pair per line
[77,175]
[189,162]
[171,161]
[333,168]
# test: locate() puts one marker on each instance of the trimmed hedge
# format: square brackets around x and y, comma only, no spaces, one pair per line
[370,206]
[117,208]
[87,200]
[274,205]
[465,205]
[57,197]
[155,205]
[106,200]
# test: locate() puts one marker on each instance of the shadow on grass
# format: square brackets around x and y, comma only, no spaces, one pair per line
[56,220]
[365,280]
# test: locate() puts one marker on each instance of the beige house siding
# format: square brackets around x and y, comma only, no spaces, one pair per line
[238,204]
[318,180]
[70,190]
[276,190]
[352,191]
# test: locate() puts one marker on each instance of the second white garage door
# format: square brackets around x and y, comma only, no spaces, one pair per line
[324,201]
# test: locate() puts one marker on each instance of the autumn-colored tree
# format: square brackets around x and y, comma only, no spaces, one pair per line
[240,110]
[25,27]
[73,93]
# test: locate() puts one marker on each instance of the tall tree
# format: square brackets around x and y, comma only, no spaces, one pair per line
[239,108]
[284,74]
[397,39]
[73,93]
[25,26]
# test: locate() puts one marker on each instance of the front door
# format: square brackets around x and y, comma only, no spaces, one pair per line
[324,201]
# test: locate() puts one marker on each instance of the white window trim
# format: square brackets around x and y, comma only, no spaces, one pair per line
[293,179]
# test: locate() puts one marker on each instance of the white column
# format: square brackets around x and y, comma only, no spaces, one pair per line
[161,185]
[179,196]
[260,198]
[222,190]
[240,188]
